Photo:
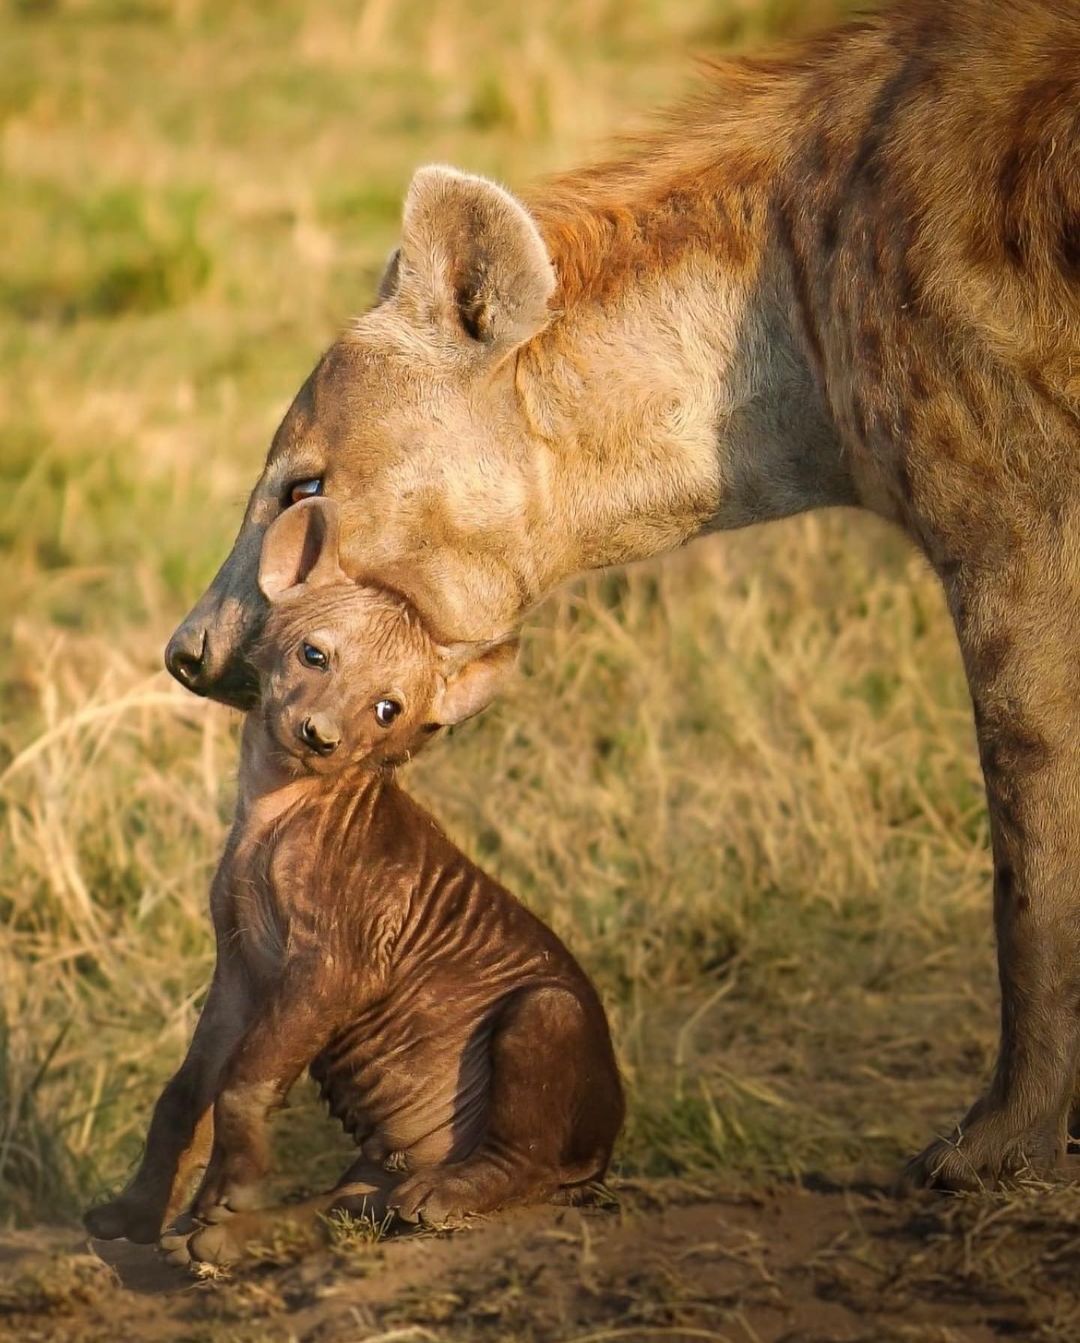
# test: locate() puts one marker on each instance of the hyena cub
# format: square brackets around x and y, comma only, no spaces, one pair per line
[451,1032]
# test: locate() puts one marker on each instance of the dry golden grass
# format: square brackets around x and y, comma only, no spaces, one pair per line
[742,783]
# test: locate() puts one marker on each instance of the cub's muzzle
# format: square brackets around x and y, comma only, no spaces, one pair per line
[319,734]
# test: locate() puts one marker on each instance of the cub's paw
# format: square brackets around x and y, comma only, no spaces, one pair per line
[127,1217]
[224,1242]
[431,1198]
[219,1238]
[214,1202]
[982,1153]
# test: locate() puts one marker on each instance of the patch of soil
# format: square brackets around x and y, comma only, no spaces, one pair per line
[811,1264]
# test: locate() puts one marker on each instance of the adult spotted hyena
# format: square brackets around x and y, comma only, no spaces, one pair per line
[848,274]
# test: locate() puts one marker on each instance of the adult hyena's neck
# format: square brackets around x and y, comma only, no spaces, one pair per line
[673,389]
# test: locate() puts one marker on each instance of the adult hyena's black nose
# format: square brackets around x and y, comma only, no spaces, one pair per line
[320,734]
[206,655]
[185,656]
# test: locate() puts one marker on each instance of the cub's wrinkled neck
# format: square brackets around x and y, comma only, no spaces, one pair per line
[269,782]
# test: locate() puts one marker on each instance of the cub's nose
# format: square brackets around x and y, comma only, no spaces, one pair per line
[320,734]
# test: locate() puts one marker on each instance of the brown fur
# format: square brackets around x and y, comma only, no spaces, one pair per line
[450,1031]
[848,274]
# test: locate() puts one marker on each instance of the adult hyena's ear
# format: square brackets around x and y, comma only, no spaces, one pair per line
[472,262]
[469,684]
[300,548]
[391,277]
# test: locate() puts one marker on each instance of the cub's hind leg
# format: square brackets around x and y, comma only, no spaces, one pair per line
[555,1109]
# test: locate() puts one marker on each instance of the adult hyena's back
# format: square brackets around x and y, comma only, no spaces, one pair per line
[932,227]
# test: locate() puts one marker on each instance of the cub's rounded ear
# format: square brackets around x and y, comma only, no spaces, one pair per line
[469,681]
[472,263]
[300,548]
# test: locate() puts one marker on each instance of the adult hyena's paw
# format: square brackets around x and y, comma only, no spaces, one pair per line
[985,1151]
[127,1217]
[433,1199]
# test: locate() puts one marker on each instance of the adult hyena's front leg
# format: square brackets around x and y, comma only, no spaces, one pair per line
[1020,634]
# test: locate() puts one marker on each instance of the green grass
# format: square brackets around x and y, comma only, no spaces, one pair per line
[741,783]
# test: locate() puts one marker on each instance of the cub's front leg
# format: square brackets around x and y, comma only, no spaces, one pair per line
[178,1141]
[286,1032]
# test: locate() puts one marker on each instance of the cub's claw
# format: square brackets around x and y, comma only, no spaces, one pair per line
[173,1244]
[174,1250]
[226,1199]
[213,1243]
[431,1200]
[219,1243]
[216,1236]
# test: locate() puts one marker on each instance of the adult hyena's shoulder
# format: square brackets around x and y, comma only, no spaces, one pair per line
[930,223]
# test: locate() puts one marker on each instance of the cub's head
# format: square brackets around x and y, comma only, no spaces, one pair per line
[348,674]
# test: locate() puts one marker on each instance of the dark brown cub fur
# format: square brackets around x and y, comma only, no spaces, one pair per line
[451,1032]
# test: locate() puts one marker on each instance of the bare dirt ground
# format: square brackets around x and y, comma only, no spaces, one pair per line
[810,1264]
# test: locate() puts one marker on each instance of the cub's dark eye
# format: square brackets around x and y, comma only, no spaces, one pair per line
[302,489]
[386,710]
[313,657]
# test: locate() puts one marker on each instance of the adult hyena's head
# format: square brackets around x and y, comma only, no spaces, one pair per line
[411,422]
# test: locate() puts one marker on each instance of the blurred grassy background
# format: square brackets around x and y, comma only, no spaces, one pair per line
[742,782]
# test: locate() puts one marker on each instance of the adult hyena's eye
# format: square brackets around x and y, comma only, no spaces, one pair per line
[311,656]
[386,710]
[302,489]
